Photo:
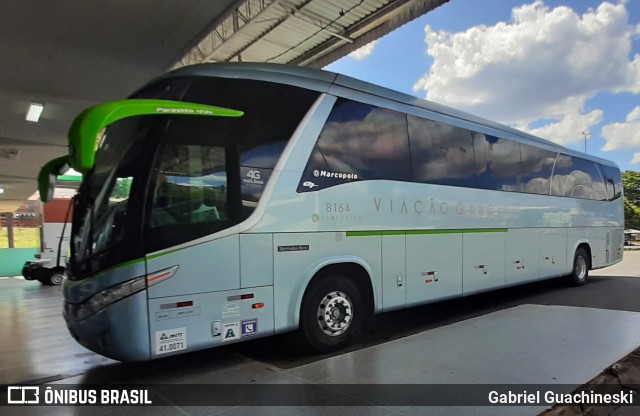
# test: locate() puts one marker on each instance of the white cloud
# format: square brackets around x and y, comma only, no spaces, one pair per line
[543,64]
[364,51]
[567,130]
[636,158]
[634,115]
[623,135]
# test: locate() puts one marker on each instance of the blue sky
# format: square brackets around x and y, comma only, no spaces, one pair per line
[554,68]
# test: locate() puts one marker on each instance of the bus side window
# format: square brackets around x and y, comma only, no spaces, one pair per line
[189,198]
[498,163]
[441,153]
[577,178]
[191,185]
[537,166]
[613,182]
[358,142]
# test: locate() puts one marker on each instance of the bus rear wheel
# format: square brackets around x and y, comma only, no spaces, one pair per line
[580,270]
[332,313]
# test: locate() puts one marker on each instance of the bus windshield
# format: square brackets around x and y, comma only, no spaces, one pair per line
[100,224]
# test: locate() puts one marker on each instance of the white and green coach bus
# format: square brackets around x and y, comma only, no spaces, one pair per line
[226,202]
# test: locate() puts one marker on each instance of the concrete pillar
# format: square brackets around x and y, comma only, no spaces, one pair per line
[8,216]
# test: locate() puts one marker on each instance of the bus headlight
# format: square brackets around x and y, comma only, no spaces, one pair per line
[99,301]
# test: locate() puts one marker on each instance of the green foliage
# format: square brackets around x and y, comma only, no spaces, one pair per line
[631,185]
[122,188]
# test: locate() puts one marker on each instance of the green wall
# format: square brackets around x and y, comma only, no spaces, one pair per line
[12,260]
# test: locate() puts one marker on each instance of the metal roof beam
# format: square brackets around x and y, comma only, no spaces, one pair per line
[230,27]
[370,28]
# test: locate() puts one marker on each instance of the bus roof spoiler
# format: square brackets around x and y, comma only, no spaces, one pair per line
[86,132]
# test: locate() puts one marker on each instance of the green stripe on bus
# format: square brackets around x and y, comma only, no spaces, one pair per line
[419,232]
[164,253]
[486,230]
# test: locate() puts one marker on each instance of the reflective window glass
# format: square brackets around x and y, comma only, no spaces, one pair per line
[358,142]
[498,163]
[441,153]
[537,167]
[191,186]
[577,178]
[613,182]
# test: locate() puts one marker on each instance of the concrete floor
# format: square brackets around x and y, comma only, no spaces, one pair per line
[526,344]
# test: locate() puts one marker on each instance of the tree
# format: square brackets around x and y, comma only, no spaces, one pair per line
[121,188]
[631,186]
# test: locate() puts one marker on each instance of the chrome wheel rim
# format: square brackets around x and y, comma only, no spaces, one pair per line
[580,269]
[335,313]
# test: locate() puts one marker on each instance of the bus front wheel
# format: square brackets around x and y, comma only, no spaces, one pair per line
[332,313]
[580,270]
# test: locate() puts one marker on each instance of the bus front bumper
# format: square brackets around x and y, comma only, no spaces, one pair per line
[119,331]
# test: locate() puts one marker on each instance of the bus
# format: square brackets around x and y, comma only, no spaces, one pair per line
[226,202]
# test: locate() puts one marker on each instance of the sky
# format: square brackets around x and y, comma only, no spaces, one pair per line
[553,68]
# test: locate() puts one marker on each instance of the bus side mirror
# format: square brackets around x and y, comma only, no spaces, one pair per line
[48,174]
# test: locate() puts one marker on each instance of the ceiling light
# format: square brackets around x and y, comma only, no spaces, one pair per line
[34,112]
[1,190]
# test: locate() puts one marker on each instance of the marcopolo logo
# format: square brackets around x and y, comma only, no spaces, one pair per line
[334,175]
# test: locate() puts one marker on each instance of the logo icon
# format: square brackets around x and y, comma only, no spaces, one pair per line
[230,331]
[24,395]
[254,174]
[315,218]
[309,184]
[249,327]
[316,173]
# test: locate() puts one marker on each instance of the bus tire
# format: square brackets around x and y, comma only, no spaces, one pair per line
[580,270]
[333,313]
[55,277]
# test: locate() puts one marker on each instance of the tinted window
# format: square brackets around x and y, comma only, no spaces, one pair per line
[577,178]
[537,168]
[613,182]
[358,142]
[498,163]
[441,153]
[191,186]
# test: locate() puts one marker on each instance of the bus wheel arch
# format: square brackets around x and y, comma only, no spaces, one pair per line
[337,304]
[580,266]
